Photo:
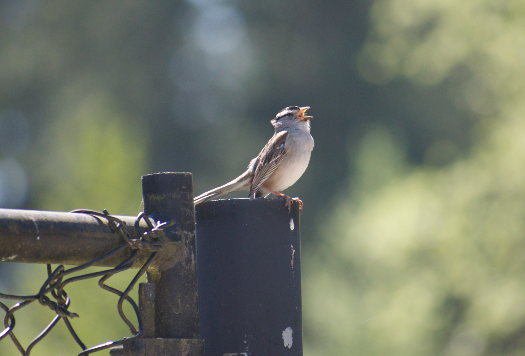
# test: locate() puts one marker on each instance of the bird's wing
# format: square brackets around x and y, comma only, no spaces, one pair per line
[269,159]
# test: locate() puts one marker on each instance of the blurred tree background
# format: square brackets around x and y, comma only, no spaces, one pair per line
[414,220]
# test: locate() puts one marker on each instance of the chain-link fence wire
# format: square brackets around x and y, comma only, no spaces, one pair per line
[53,295]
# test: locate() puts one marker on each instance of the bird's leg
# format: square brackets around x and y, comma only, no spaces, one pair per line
[289,200]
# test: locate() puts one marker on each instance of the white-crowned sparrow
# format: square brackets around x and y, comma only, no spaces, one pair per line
[281,162]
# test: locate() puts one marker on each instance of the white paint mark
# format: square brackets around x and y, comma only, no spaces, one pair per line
[292,226]
[293,254]
[36,225]
[287,337]
[9,258]
[37,229]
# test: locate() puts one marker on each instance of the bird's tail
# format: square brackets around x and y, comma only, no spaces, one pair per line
[240,183]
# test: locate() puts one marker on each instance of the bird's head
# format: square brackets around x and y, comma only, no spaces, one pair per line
[292,116]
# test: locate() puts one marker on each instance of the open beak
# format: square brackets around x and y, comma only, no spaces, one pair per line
[302,115]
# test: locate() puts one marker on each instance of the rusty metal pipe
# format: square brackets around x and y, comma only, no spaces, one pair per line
[62,238]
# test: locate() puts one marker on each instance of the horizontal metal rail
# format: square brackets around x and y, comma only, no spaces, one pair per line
[62,238]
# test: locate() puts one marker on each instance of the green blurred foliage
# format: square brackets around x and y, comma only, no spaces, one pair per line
[428,260]
[413,218]
[93,160]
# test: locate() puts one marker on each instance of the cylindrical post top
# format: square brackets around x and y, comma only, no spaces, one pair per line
[248,255]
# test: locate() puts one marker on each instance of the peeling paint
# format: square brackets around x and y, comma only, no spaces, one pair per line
[287,337]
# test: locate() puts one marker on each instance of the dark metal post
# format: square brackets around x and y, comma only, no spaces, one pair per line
[249,277]
[147,307]
[169,197]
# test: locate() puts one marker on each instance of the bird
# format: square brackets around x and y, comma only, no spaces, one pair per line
[281,162]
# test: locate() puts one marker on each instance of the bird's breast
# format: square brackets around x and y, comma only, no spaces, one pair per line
[299,147]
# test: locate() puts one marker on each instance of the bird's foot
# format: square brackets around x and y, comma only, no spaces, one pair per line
[289,202]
